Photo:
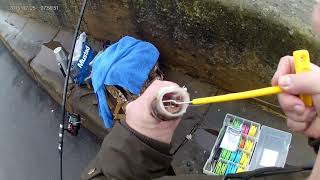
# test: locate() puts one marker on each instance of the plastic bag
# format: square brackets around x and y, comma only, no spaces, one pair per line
[78,47]
[83,55]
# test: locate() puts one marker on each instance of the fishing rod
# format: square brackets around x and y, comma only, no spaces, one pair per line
[65,89]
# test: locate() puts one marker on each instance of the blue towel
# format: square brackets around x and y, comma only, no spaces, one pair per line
[126,63]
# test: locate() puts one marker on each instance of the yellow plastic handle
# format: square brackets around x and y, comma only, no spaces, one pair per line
[302,64]
[238,96]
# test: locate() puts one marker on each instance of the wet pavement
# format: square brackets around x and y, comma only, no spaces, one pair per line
[29,130]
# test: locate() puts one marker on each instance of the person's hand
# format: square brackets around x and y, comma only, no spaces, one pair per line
[138,115]
[300,118]
[316,18]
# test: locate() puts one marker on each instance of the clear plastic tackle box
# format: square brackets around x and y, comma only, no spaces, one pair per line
[244,145]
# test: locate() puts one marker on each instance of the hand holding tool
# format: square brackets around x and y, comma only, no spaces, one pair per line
[302,64]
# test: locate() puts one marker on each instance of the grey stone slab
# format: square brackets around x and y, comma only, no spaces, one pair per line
[191,157]
[195,114]
[27,43]
[4,15]
[7,30]
[25,49]
[65,38]
[246,109]
[38,32]
[46,70]
[11,26]
[17,21]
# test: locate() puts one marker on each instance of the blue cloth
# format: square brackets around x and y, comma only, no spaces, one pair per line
[126,63]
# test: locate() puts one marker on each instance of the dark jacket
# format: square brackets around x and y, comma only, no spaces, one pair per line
[126,154]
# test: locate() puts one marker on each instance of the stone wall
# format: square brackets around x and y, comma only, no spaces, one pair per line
[235,44]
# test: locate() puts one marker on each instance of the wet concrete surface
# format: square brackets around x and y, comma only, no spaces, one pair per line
[191,157]
[29,130]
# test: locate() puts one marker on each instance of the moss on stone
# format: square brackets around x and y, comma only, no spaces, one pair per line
[234,44]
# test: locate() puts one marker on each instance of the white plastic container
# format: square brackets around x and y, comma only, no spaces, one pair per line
[270,147]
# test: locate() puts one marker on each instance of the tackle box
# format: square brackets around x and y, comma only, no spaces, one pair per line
[244,145]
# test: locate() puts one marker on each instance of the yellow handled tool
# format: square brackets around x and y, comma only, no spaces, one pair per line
[238,96]
[302,64]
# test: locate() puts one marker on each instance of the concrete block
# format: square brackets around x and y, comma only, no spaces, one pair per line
[28,41]
[7,31]
[4,15]
[17,21]
[11,26]
[191,158]
[65,38]
[25,49]
[38,32]
[195,114]
[46,70]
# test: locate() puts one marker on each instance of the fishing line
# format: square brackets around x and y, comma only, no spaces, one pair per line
[65,89]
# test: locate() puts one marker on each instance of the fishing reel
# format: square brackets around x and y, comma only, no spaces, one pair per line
[74,124]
